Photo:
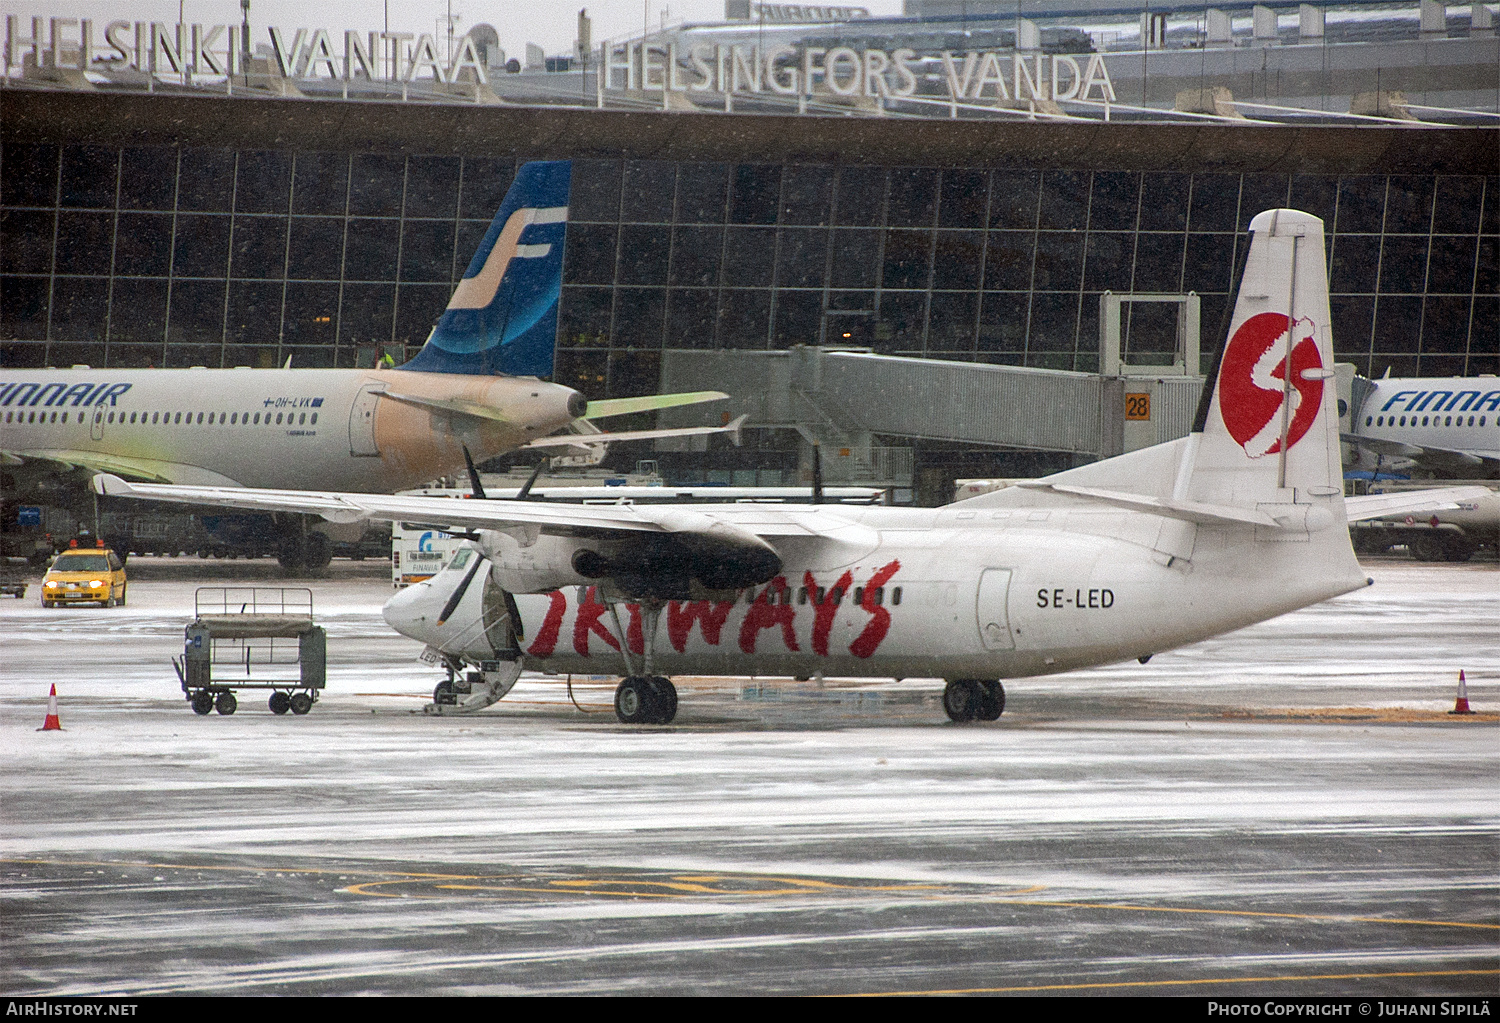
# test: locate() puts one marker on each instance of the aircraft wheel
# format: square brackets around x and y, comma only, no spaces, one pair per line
[203,701]
[960,699]
[991,700]
[634,703]
[280,703]
[666,700]
[300,703]
[445,694]
[317,550]
[226,704]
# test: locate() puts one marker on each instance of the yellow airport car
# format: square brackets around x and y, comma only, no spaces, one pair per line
[85,574]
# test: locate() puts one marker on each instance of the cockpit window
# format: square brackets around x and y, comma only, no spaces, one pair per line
[461,557]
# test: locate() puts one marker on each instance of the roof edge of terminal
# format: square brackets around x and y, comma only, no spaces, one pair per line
[60,117]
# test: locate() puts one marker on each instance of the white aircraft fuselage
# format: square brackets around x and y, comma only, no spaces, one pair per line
[991,592]
[1458,413]
[272,427]
[1242,520]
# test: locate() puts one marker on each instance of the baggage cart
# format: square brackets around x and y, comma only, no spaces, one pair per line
[252,637]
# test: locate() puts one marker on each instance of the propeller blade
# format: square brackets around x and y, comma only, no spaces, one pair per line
[458,594]
[817,490]
[476,489]
[516,627]
[525,491]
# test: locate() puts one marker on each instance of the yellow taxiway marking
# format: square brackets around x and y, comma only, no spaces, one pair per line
[684,885]
[675,886]
[1122,984]
[1336,917]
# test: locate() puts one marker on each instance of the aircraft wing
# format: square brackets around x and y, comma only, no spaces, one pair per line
[545,518]
[1435,458]
[1409,502]
[150,470]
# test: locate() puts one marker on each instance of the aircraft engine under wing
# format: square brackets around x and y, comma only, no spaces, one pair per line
[640,551]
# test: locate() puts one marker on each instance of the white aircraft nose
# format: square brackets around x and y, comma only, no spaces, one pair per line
[411,611]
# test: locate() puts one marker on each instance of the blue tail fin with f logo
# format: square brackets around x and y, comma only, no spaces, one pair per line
[502,318]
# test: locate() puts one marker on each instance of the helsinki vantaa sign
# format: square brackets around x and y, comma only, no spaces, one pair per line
[218,50]
[844,71]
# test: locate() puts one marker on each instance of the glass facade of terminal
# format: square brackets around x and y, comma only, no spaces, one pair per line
[177,257]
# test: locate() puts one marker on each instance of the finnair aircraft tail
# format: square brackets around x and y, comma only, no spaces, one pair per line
[502,318]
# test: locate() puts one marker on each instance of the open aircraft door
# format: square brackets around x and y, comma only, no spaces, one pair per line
[994,621]
[362,420]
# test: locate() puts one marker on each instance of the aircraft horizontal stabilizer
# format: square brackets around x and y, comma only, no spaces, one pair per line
[450,406]
[585,441]
[1410,502]
[1188,511]
[648,403]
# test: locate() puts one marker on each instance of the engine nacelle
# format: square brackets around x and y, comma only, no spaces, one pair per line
[539,567]
[693,557]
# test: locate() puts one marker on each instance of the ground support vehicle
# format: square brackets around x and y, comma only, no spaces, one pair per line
[252,636]
[1453,534]
[15,574]
[82,575]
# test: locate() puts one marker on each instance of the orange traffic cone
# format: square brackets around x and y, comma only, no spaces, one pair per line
[51,724]
[1461,705]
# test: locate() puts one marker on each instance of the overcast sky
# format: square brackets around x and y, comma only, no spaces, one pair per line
[549,24]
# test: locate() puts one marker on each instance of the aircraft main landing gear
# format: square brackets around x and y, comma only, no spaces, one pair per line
[643,698]
[970,699]
[646,700]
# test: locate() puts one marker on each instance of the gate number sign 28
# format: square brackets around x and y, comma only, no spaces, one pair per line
[1138,406]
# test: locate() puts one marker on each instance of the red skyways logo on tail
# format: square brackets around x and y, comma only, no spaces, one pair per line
[1252,383]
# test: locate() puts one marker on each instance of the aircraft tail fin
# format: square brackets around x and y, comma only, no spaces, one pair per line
[502,317]
[1267,429]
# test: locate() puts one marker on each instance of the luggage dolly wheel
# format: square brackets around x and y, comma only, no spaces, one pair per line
[280,703]
[202,701]
[226,704]
[300,703]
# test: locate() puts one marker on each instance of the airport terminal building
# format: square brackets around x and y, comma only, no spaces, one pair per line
[195,225]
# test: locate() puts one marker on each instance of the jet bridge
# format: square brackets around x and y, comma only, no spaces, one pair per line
[847,399]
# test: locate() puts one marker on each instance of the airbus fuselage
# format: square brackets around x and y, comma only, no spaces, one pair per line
[1448,413]
[289,428]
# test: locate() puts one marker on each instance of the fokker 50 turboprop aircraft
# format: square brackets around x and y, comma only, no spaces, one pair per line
[473,386]
[1240,521]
